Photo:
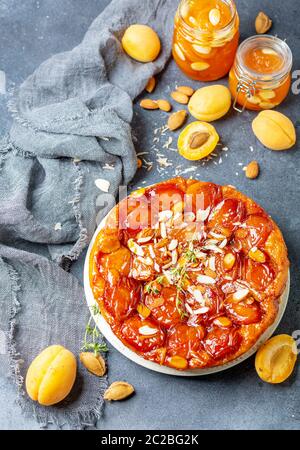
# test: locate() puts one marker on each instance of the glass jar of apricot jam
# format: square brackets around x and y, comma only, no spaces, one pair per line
[261,75]
[206,36]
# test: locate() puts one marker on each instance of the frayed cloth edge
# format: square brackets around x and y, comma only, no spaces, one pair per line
[75,420]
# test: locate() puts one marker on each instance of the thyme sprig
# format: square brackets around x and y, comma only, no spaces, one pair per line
[151,287]
[91,336]
[180,275]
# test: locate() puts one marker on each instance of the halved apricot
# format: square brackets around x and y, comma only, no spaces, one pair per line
[276,359]
[197,140]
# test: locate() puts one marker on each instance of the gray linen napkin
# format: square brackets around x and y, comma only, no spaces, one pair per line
[71,127]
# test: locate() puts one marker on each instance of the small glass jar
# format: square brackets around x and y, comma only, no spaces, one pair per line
[261,75]
[206,35]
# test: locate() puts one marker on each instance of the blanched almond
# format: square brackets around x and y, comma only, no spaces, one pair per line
[214,16]
[187,90]
[147,103]
[179,52]
[269,51]
[267,94]
[151,85]
[179,97]
[201,49]
[199,66]
[177,119]
[164,105]
[254,100]
[119,390]
[93,363]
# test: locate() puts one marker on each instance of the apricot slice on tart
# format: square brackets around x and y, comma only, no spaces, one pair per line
[197,141]
[220,343]
[183,339]
[227,215]
[276,358]
[142,334]
[204,195]
[163,306]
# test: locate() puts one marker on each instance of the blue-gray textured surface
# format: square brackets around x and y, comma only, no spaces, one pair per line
[31,31]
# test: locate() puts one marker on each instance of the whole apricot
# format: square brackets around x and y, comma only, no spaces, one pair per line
[51,375]
[274,130]
[141,42]
[210,103]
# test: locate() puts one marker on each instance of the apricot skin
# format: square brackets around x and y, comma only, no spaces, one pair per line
[141,43]
[274,130]
[51,375]
[210,103]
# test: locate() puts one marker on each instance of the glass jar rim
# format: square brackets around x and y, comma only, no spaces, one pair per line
[269,41]
[215,34]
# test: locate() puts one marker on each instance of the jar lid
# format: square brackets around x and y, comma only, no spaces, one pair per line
[268,44]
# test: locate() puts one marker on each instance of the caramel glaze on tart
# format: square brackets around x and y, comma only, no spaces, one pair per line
[194,290]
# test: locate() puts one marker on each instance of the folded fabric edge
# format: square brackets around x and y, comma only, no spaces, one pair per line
[78,420]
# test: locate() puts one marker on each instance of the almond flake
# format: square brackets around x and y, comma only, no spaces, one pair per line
[240,294]
[174,257]
[200,255]
[211,242]
[202,215]
[145,239]
[212,263]
[223,243]
[202,310]
[167,266]
[147,331]
[189,309]
[135,248]
[102,184]
[205,279]
[163,230]
[196,293]
[213,248]
[189,217]
[214,16]
[152,252]
[156,267]
[173,244]
[147,261]
[163,216]
[216,235]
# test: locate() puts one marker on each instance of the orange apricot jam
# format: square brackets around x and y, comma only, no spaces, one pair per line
[206,36]
[261,75]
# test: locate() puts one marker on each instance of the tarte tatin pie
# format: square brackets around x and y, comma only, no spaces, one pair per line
[187,273]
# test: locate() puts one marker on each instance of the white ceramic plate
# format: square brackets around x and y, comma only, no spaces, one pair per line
[112,338]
